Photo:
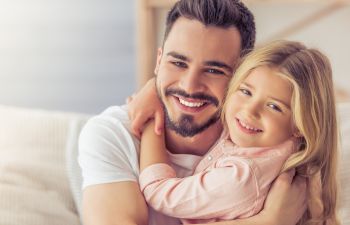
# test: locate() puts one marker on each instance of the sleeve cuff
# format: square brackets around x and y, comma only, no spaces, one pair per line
[154,173]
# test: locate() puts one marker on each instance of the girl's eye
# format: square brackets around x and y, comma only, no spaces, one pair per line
[275,107]
[245,91]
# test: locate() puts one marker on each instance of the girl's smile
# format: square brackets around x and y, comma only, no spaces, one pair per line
[247,128]
[258,113]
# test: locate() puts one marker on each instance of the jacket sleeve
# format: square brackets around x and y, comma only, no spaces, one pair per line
[230,186]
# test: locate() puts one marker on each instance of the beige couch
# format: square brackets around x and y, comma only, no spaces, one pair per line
[34,186]
[40,179]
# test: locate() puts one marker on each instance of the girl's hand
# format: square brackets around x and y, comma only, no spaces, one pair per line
[143,106]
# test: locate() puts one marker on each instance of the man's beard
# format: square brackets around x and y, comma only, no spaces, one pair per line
[185,125]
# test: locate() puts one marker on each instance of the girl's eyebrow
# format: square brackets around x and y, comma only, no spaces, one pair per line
[248,85]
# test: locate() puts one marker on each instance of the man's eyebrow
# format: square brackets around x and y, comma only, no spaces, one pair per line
[219,64]
[207,63]
[178,56]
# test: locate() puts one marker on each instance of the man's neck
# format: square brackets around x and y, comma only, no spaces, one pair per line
[196,145]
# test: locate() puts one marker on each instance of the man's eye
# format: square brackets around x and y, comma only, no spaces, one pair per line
[179,64]
[245,91]
[215,71]
[275,107]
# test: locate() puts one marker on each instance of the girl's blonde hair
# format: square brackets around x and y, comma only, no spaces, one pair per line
[314,115]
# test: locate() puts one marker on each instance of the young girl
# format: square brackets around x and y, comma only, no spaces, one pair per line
[279,114]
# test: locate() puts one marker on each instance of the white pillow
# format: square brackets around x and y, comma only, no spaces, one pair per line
[34,188]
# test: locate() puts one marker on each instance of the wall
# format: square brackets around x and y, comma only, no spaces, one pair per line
[73,55]
[330,33]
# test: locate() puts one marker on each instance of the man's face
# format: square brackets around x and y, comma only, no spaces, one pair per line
[193,71]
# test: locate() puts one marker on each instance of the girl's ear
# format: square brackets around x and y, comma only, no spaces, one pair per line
[297,134]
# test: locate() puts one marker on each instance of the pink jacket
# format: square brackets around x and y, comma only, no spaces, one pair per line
[229,182]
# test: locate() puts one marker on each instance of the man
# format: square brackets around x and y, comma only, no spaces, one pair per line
[202,44]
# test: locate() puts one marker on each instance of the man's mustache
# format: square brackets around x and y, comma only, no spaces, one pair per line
[199,96]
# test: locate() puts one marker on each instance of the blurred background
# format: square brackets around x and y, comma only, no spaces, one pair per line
[84,56]
[71,55]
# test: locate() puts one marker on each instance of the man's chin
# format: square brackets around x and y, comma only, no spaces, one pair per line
[186,126]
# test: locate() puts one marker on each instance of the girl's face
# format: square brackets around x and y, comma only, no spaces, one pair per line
[258,113]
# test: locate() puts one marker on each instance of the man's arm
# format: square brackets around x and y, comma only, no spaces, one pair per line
[114,203]
[108,158]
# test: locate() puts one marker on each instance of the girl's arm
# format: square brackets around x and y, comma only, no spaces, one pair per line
[153,149]
[205,195]
[230,188]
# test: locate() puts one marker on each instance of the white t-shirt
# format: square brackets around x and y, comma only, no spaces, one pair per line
[108,153]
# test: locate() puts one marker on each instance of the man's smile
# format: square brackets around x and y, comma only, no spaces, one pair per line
[189,105]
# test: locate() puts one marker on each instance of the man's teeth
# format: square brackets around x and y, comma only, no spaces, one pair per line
[249,128]
[191,104]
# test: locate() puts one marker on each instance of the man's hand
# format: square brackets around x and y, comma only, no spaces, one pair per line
[287,200]
[143,106]
[285,203]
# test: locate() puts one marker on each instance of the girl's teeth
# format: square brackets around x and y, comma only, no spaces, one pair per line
[191,104]
[250,128]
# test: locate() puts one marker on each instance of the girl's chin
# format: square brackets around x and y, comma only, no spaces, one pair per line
[244,143]
[240,143]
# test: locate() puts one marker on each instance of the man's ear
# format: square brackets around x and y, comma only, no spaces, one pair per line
[159,57]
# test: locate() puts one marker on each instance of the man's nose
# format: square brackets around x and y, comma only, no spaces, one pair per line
[191,81]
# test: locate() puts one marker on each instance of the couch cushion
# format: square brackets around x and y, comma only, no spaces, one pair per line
[34,188]
[73,169]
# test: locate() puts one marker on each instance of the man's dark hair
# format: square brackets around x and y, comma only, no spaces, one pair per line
[219,13]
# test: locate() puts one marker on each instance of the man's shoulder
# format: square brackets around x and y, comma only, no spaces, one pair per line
[116,112]
[108,152]
[111,123]
[115,116]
